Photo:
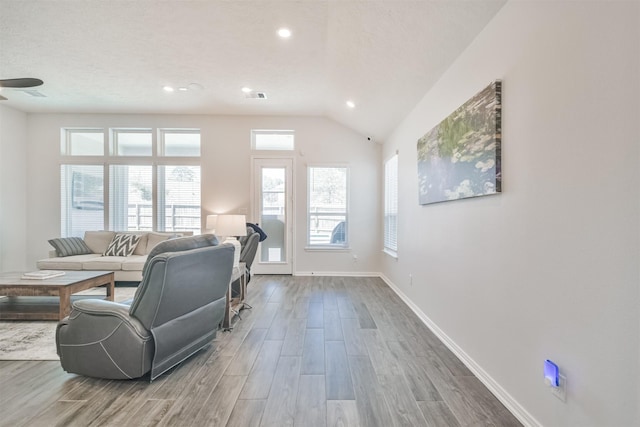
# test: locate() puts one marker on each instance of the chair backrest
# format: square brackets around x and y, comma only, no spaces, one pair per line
[180,244]
[249,247]
[174,266]
[178,283]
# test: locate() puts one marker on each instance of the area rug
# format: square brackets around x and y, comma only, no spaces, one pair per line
[36,340]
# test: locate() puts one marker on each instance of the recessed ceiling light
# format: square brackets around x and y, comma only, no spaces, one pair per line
[350,104]
[246,89]
[285,33]
[183,89]
[168,89]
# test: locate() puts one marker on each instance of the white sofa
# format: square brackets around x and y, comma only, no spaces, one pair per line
[127,268]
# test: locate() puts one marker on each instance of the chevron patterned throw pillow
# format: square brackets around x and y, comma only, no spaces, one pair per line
[122,245]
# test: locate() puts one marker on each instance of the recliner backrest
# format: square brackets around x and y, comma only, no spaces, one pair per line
[249,247]
[177,283]
[180,244]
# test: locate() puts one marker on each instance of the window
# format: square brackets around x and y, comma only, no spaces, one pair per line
[130,197]
[272,140]
[131,142]
[328,217]
[145,192]
[179,198]
[179,143]
[82,199]
[83,142]
[391,205]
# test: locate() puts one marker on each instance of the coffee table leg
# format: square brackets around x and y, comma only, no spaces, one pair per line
[65,302]
[111,287]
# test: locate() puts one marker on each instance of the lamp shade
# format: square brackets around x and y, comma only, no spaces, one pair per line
[211,222]
[230,225]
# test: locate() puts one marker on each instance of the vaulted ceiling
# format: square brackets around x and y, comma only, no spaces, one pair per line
[116,56]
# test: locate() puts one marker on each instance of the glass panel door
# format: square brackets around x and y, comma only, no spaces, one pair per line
[272,209]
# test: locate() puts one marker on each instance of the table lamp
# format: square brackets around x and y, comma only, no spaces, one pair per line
[211,223]
[231,226]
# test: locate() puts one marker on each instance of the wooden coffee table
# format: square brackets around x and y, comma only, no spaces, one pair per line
[32,308]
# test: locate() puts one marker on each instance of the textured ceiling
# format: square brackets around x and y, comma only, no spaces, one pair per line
[115,56]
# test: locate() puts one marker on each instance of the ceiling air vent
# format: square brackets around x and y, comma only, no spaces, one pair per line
[35,93]
[256,95]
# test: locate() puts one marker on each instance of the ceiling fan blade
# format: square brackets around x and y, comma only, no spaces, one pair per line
[20,83]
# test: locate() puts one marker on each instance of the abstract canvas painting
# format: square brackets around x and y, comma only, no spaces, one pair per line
[460,157]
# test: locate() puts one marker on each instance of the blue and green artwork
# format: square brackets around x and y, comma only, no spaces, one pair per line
[460,157]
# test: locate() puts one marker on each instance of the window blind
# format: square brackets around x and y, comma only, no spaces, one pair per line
[391,204]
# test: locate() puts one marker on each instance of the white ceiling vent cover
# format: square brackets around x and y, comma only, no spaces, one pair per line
[35,93]
[256,95]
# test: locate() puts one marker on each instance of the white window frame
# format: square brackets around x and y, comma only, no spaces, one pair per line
[113,141]
[164,131]
[66,136]
[328,246]
[255,132]
[389,236]
[112,158]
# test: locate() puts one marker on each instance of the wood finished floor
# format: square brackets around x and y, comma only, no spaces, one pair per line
[313,351]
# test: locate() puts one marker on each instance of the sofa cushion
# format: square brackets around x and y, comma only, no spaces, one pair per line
[122,245]
[141,247]
[104,263]
[68,246]
[98,241]
[73,262]
[154,238]
[134,263]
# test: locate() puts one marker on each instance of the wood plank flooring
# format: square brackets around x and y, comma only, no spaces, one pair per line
[313,351]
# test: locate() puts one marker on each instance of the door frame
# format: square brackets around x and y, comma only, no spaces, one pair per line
[291,218]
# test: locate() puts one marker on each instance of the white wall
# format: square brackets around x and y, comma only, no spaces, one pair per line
[226,175]
[13,178]
[548,268]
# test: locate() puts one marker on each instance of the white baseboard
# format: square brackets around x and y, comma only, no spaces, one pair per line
[501,394]
[336,273]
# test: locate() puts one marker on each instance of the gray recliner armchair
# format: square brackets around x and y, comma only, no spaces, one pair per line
[249,245]
[175,312]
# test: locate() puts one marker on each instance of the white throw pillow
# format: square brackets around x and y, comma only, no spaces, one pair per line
[141,248]
[98,241]
[154,238]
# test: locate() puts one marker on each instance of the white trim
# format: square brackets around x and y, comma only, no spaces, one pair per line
[337,273]
[500,393]
[327,248]
[393,254]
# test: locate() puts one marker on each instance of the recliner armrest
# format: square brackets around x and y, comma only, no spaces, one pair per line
[98,307]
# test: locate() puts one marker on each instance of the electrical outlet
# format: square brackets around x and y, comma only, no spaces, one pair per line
[561,391]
